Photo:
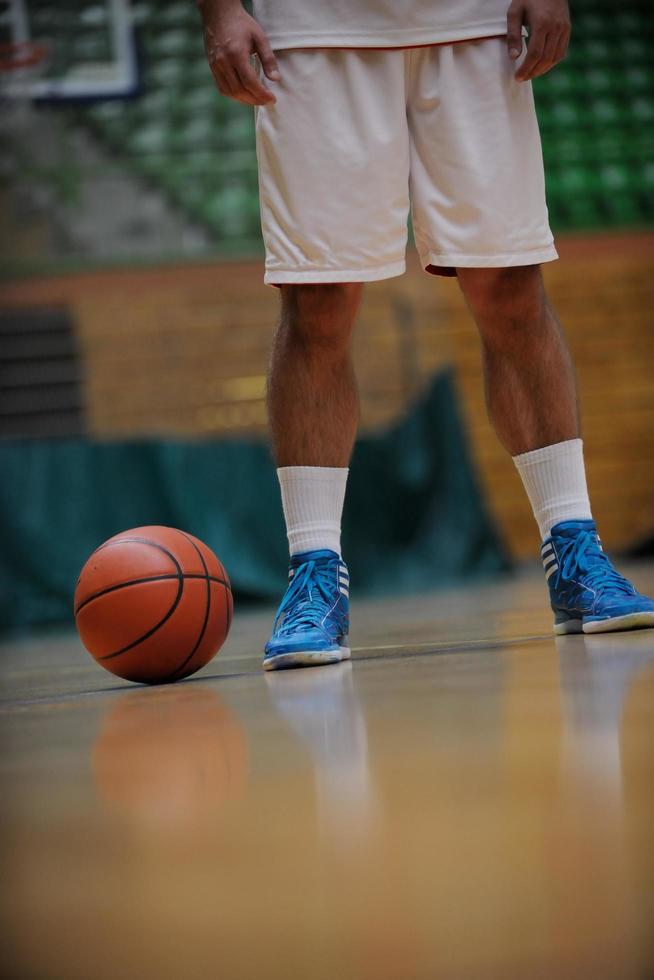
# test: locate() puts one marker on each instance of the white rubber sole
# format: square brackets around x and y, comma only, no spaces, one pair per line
[306,658]
[570,626]
[632,621]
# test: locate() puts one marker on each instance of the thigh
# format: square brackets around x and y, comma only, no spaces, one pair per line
[477,179]
[333,158]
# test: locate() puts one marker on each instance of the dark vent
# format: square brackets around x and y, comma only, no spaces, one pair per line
[40,375]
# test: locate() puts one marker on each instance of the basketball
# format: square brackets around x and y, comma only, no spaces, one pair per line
[153,605]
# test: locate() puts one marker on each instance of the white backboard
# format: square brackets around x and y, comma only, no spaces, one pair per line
[90,47]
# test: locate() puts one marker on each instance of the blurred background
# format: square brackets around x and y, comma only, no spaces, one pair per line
[135,326]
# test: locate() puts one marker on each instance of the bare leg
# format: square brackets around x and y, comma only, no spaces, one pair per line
[313,411]
[528,372]
[531,396]
[312,396]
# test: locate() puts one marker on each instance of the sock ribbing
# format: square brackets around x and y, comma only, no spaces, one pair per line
[312,498]
[555,480]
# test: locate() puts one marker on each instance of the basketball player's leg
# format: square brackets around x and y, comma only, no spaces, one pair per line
[528,372]
[532,403]
[313,405]
[313,411]
[332,147]
[490,224]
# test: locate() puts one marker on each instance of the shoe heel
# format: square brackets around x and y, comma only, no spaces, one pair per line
[563,624]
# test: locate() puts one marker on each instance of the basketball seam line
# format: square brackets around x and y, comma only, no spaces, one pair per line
[180,589]
[169,576]
[229,609]
[206,612]
[111,544]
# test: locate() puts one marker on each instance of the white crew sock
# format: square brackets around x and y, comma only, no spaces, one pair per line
[312,498]
[555,480]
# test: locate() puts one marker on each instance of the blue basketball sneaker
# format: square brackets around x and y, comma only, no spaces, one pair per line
[586,592]
[311,624]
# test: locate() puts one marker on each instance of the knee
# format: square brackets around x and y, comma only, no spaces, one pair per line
[320,314]
[502,300]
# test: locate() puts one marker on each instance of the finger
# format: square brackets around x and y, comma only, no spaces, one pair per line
[266,57]
[534,53]
[224,81]
[514,19]
[230,85]
[562,46]
[219,67]
[252,85]
[548,58]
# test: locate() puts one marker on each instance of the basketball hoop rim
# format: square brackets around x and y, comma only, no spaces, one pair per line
[22,54]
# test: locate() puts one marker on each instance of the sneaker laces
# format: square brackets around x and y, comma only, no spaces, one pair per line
[583,553]
[309,597]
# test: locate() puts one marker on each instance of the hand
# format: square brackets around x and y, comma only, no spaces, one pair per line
[548,22]
[231,37]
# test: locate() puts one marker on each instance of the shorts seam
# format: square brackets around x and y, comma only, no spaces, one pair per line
[368,273]
[545,253]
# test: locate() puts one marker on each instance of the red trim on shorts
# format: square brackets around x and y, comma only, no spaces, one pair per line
[441,270]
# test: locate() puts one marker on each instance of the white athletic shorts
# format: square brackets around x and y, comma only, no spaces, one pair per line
[359,135]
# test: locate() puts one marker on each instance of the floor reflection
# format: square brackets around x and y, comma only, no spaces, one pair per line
[597,671]
[322,708]
[606,882]
[170,755]
[597,674]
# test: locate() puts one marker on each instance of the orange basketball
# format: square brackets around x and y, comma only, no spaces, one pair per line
[153,604]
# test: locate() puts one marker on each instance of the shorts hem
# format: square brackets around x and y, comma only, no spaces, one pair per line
[275,277]
[530,257]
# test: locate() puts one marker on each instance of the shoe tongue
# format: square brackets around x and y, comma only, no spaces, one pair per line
[305,556]
[569,529]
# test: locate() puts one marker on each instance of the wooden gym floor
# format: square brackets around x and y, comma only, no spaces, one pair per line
[468,799]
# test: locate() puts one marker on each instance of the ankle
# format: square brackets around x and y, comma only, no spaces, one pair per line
[555,480]
[312,498]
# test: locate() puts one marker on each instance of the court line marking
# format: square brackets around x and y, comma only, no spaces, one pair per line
[462,644]
[409,650]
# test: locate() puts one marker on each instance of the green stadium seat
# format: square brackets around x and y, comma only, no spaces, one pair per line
[634,49]
[142,13]
[172,42]
[642,111]
[93,16]
[149,139]
[606,112]
[626,21]
[163,72]
[638,79]
[202,99]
